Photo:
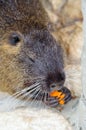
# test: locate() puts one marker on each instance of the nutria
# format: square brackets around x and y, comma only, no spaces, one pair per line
[31,61]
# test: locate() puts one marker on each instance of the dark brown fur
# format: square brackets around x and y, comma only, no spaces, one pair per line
[28,52]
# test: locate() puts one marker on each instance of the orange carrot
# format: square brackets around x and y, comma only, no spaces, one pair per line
[58,95]
[62,96]
[55,94]
[62,102]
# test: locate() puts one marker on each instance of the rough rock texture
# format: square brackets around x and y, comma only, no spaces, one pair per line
[82,105]
[31,119]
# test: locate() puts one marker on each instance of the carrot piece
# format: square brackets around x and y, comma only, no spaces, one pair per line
[61,102]
[62,96]
[58,95]
[55,94]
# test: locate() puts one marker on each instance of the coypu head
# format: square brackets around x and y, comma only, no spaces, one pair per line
[31,61]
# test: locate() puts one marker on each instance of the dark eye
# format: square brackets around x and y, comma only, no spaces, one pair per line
[2,2]
[14,39]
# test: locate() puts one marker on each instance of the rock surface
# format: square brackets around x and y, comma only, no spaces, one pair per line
[31,119]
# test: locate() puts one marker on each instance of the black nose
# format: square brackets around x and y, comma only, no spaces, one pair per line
[56,80]
[61,77]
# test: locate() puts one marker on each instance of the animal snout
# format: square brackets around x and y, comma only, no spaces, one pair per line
[61,77]
[56,81]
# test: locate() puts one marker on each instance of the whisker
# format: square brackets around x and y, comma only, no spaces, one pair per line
[24,95]
[38,92]
[33,94]
[32,91]
[34,100]
[31,101]
[20,93]
[46,96]
[41,100]
[25,90]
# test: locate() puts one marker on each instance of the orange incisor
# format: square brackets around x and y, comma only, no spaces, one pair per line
[58,95]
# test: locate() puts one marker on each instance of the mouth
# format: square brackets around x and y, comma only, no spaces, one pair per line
[38,91]
[57,88]
[33,91]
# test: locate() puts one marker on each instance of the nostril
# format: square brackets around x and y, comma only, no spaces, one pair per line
[62,76]
[53,85]
[55,80]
